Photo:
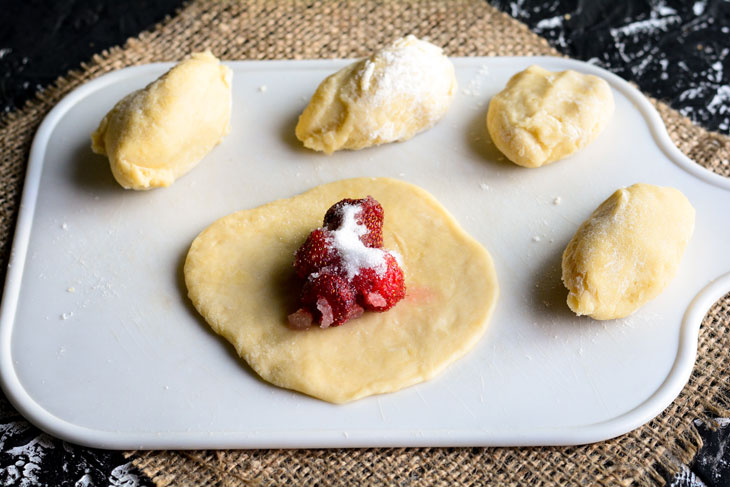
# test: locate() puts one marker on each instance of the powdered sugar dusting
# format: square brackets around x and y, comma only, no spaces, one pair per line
[412,70]
[355,255]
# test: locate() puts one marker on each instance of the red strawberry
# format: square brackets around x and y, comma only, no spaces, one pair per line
[330,298]
[380,292]
[370,215]
[315,253]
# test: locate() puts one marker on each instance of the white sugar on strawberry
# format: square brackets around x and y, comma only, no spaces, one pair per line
[354,254]
[345,268]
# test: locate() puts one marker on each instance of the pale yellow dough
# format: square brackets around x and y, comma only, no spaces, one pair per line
[239,277]
[541,116]
[155,135]
[627,251]
[390,96]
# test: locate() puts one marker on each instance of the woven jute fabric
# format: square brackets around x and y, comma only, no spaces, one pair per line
[277,29]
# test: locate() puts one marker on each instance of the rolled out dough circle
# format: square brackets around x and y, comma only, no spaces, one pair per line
[239,277]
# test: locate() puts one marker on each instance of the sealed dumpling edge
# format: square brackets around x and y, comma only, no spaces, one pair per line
[542,116]
[155,135]
[627,251]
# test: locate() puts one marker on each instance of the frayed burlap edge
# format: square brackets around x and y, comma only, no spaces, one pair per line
[319,29]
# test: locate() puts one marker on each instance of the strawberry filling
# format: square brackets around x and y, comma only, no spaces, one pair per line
[315,253]
[345,268]
[370,215]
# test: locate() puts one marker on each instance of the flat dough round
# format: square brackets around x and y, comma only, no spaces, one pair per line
[541,117]
[239,277]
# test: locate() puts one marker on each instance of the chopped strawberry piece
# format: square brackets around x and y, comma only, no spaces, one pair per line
[374,300]
[301,319]
[330,297]
[315,253]
[326,313]
[370,215]
[380,291]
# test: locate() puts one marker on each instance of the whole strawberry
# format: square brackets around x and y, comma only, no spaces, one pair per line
[315,253]
[380,291]
[370,215]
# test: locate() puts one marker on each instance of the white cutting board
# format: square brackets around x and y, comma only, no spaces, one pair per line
[134,366]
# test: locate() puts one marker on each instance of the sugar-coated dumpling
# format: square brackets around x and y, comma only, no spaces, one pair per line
[157,134]
[628,251]
[390,96]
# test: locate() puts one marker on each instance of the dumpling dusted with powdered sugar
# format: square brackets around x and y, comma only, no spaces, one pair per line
[390,96]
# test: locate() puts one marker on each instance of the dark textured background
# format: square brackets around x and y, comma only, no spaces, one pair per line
[676,51]
[41,40]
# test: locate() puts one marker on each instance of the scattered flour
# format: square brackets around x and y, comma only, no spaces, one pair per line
[28,458]
[474,88]
[85,481]
[699,8]
[650,25]
[686,478]
[124,476]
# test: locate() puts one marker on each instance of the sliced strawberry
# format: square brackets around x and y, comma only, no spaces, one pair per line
[330,298]
[370,215]
[380,292]
[315,253]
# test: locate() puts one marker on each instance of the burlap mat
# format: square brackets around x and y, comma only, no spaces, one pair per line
[318,29]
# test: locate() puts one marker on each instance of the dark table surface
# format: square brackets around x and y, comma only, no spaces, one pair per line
[676,51]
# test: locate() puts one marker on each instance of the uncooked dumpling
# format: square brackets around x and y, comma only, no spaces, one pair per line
[541,116]
[627,251]
[239,277]
[155,135]
[391,96]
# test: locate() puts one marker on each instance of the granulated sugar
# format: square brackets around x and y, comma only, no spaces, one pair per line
[355,255]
